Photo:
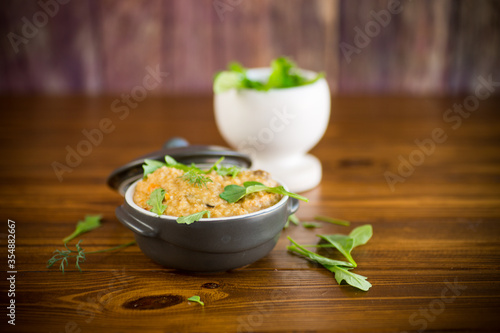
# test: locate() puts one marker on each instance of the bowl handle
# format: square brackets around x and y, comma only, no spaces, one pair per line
[293,205]
[134,224]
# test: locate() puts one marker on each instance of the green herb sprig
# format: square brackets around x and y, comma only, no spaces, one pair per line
[90,222]
[79,255]
[196,178]
[233,193]
[344,244]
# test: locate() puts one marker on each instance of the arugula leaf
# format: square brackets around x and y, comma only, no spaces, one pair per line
[156,201]
[172,163]
[358,236]
[233,193]
[332,220]
[353,279]
[361,235]
[237,67]
[223,170]
[281,75]
[215,167]
[294,219]
[342,243]
[314,256]
[150,166]
[278,190]
[228,80]
[232,171]
[311,225]
[345,244]
[90,222]
[193,217]
[196,299]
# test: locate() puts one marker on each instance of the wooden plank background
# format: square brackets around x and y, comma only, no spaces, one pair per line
[101,47]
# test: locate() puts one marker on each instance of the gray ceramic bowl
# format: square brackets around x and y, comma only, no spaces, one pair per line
[208,245]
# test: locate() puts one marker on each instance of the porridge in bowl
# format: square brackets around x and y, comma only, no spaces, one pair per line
[187,192]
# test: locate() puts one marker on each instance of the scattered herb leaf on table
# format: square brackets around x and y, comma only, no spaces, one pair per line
[196,299]
[90,222]
[344,244]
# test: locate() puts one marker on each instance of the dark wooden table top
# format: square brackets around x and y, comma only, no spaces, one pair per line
[433,261]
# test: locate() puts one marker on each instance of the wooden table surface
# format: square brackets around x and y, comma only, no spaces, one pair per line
[433,261]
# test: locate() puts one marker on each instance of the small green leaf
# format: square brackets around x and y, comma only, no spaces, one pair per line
[278,190]
[90,222]
[150,166]
[314,256]
[196,299]
[252,183]
[361,235]
[232,171]
[342,243]
[236,67]
[225,81]
[193,217]
[233,193]
[332,220]
[215,167]
[294,219]
[311,225]
[156,201]
[358,236]
[353,279]
[172,163]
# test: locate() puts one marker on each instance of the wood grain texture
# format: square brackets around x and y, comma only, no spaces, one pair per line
[430,47]
[437,234]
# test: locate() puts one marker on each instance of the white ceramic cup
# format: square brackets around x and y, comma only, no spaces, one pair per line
[277,127]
